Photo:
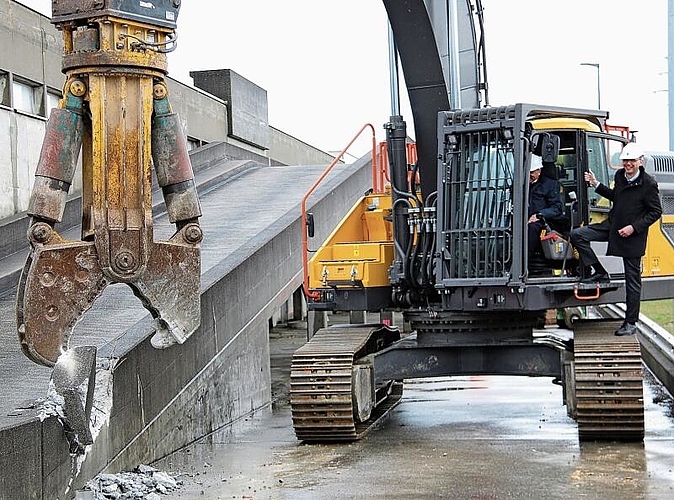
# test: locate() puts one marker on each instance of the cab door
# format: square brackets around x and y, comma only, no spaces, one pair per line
[602,157]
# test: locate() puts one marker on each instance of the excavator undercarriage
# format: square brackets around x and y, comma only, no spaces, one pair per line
[348,377]
[334,393]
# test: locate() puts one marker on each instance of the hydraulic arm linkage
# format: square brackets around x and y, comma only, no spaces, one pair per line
[115,110]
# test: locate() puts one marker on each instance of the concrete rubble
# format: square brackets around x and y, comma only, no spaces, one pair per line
[54,403]
[146,483]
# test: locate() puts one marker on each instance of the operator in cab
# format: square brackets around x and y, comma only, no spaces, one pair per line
[544,202]
[636,205]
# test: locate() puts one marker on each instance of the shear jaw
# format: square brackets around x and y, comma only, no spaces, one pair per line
[62,279]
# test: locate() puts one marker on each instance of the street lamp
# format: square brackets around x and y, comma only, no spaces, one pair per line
[596,65]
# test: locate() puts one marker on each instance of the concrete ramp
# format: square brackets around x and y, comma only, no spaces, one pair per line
[151,402]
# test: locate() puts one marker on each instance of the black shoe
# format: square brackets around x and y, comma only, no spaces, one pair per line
[597,278]
[626,329]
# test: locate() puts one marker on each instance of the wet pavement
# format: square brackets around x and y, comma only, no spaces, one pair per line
[474,438]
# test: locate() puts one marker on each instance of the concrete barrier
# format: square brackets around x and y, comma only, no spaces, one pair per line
[164,400]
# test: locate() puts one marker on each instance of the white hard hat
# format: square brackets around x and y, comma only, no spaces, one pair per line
[536,163]
[631,152]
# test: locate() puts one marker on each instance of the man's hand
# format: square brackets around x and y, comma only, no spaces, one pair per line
[533,218]
[626,231]
[590,178]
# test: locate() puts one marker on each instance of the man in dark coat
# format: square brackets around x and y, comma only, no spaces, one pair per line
[636,205]
[544,202]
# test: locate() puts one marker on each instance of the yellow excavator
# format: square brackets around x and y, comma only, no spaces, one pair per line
[443,244]
[449,252]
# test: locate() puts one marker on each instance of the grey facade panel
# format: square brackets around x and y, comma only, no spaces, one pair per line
[31,46]
[246,104]
[203,118]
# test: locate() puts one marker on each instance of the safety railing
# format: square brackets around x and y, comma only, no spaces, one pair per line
[376,187]
[383,170]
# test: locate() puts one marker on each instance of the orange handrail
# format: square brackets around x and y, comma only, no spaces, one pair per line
[411,148]
[412,153]
[383,165]
[305,245]
[586,297]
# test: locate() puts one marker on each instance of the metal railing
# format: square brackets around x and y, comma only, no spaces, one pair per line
[375,186]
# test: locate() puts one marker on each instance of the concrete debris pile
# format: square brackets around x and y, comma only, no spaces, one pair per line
[145,483]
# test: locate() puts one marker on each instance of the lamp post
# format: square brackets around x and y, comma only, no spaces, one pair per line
[596,65]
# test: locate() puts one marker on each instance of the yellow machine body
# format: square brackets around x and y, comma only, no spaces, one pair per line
[659,258]
[359,251]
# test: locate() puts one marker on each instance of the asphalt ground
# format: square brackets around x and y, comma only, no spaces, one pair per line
[473,438]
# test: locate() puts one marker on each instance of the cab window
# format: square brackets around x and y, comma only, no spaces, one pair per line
[603,156]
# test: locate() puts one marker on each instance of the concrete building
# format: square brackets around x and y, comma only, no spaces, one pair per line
[227,109]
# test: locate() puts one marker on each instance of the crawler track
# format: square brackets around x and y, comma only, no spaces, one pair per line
[322,383]
[608,383]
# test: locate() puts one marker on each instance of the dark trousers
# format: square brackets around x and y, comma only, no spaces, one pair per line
[581,238]
[535,229]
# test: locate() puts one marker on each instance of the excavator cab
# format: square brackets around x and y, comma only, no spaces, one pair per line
[482,260]
[463,246]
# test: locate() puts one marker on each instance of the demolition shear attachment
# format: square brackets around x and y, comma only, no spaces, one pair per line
[106,115]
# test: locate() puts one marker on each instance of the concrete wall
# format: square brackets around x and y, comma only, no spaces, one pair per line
[203,116]
[164,400]
[20,143]
[31,46]
[289,150]
[246,101]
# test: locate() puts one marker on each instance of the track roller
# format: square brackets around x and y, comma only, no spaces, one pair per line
[333,394]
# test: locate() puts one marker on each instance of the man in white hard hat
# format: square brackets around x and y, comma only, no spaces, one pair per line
[544,202]
[636,205]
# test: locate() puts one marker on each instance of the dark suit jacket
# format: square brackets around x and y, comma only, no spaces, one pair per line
[636,203]
[544,198]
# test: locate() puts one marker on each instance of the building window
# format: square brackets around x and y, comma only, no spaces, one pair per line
[27,96]
[4,89]
[53,98]
[192,143]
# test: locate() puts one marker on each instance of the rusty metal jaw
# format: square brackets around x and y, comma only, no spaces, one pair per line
[62,279]
[59,282]
[172,292]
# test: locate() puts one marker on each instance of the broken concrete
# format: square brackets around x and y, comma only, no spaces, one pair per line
[74,380]
[144,482]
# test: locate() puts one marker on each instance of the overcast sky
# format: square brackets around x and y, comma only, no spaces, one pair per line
[325,64]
